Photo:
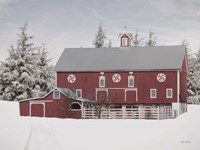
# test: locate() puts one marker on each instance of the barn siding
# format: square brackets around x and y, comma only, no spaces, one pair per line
[24,108]
[130,96]
[75,114]
[183,83]
[54,108]
[37,110]
[144,81]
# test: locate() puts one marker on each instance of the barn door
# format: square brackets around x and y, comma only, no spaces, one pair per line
[131,96]
[37,110]
[102,96]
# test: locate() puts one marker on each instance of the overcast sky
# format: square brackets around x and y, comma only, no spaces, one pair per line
[72,23]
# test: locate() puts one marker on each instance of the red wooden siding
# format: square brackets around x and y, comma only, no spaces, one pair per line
[131,96]
[102,96]
[116,96]
[128,40]
[76,114]
[183,82]
[37,110]
[24,108]
[53,107]
[143,82]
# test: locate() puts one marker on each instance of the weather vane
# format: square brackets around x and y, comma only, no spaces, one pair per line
[125,28]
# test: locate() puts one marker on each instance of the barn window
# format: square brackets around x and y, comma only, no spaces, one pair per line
[79,92]
[130,81]
[102,81]
[124,41]
[75,106]
[169,93]
[56,94]
[153,93]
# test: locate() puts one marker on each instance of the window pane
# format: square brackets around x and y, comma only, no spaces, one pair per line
[130,81]
[101,81]
[124,42]
[56,94]
[153,93]
[169,93]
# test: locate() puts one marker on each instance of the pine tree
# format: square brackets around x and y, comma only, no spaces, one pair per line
[18,73]
[137,42]
[44,75]
[152,39]
[193,82]
[100,37]
[109,43]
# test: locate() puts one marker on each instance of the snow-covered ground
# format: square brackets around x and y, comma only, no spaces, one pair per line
[24,133]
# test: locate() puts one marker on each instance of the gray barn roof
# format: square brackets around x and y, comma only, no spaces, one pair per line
[121,59]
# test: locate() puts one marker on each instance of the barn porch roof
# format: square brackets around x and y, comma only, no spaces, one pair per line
[68,93]
[121,59]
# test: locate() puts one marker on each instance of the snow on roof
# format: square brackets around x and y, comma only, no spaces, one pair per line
[121,59]
[68,93]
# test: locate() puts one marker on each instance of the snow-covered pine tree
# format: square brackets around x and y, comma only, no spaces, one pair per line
[152,39]
[191,83]
[137,42]
[193,74]
[18,73]
[17,78]
[100,37]
[196,76]
[44,74]
[109,43]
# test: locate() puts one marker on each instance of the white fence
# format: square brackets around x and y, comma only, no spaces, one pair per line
[129,113]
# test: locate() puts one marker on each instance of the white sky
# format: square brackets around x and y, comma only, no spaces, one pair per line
[72,23]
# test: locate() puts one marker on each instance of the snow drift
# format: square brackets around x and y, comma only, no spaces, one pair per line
[24,133]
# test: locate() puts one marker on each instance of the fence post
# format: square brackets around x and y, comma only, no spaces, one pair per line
[109,112]
[123,112]
[83,113]
[139,112]
[158,111]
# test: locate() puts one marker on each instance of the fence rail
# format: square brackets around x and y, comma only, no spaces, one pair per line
[129,113]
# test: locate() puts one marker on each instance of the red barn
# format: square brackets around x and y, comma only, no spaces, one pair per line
[132,80]
[60,103]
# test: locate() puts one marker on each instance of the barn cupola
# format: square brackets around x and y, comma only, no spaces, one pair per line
[125,39]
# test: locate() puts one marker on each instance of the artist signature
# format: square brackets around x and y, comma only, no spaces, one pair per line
[186,141]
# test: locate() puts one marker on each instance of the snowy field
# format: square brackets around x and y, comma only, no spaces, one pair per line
[24,133]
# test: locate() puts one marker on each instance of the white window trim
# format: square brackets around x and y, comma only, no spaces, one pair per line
[151,96]
[97,90]
[136,92]
[54,94]
[130,78]
[102,78]
[125,41]
[79,90]
[167,96]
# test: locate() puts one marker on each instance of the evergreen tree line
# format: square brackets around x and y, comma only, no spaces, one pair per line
[193,82]
[193,77]
[27,72]
[101,39]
